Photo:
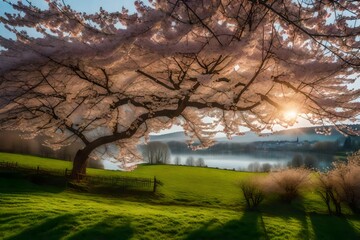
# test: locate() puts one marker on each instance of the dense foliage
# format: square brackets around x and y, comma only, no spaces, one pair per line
[109,79]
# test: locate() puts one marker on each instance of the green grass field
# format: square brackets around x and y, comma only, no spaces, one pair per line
[193,203]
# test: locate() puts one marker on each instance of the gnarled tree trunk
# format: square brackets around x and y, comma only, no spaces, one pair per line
[79,164]
[80,161]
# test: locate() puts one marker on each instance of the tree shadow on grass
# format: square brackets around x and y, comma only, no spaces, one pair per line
[66,225]
[21,183]
[283,218]
[247,227]
[333,227]
[5,217]
[52,228]
[140,194]
[109,228]
[313,225]
[325,226]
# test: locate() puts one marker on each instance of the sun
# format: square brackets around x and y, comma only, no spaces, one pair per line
[290,115]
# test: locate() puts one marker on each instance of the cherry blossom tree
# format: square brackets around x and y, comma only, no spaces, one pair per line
[109,79]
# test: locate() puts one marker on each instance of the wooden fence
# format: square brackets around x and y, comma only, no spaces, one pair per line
[34,170]
[124,182]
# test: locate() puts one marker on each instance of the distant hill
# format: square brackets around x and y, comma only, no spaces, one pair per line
[170,137]
[303,134]
[10,141]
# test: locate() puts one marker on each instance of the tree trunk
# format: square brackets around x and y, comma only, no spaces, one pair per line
[79,164]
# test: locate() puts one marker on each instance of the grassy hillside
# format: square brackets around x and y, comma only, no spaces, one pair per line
[32,161]
[194,203]
[182,184]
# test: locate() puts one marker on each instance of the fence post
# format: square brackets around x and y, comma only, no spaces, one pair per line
[66,172]
[37,169]
[155,183]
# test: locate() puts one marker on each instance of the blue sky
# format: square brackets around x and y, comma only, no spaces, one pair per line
[83,5]
[79,5]
[109,5]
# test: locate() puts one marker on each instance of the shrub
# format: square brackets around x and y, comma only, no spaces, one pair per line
[349,175]
[252,192]
[254,167]
[297,161]
[310,162]
[266,167]
[287,183]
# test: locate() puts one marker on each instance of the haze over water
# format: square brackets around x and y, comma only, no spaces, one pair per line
[243,160]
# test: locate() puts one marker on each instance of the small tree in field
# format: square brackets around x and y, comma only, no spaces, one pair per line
[177,161]
[200,162]
[107,80]
[349,180]
[252,192]
[342,185]
[190,161]
[254,167]
[329,192]
[157,153]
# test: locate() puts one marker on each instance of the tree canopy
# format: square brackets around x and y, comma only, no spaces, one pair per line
[109,79]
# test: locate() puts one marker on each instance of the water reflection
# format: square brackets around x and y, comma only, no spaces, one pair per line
[255,161]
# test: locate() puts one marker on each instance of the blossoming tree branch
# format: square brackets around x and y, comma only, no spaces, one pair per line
[109,79]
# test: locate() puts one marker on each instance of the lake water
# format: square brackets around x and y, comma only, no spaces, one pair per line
[277,159]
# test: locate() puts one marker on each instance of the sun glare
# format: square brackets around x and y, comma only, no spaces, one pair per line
[290,115]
